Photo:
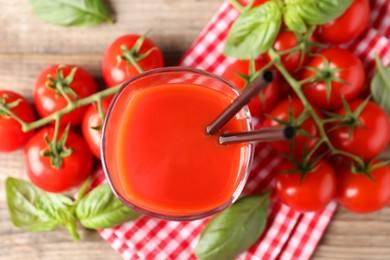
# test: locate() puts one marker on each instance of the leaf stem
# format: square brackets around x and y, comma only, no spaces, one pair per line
[82,190]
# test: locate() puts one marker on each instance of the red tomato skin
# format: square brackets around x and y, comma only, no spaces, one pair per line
[281,112]
[271,93]
[359,194]
[114,73]
[286,40]
[74,170]
[256,3]
[92,119]
[348,26]
[45,98]
[352,71]
[12,137]
[317,189]
[367,141]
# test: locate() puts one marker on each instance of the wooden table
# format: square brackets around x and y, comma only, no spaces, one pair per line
[28,45]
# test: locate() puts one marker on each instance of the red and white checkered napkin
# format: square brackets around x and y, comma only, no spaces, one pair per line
[289,234]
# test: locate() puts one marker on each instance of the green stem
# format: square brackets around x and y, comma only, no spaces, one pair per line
[132,60]
[54,141]
[100,109]
[63,93]
[83,190]
[296,86]
[237,5]
[72,106]
[72,227]
[12,114]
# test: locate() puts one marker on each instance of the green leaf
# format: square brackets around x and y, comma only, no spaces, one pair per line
[380,85]
[101,209]
[298,13]
[234,230]
[72,12]
[293,21]
[254,31]
[33,209]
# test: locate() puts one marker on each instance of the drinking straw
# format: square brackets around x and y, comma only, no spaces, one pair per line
[259,83]
[263,135]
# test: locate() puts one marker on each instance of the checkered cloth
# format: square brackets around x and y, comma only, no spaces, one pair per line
[289,234]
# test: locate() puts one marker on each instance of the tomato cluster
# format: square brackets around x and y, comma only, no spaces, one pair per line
[340,130]
[60,156]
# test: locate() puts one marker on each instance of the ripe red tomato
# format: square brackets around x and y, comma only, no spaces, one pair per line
[256,2]
[47,100]
[74,170]
[12,137]
[287,40]
[369,138]
[349,69]
[301,142]
[317,189]
[348,26]
[92,120]
[270,93]
[357,193]
[116,71]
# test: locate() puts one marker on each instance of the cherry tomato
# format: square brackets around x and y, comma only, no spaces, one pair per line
[369,138]
[12,137]
[116,71]
[256,2]
[357,193]
[348,26]
[91,121]
[313,193]
[74,170]
[301,142]
[270,93]
[346,67]
[48,101]
[293,61]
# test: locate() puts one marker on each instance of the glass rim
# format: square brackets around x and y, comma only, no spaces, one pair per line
[188,217]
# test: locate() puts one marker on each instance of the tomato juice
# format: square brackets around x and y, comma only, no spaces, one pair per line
[157,154]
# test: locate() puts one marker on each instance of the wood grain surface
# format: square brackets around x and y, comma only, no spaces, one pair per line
[28,45]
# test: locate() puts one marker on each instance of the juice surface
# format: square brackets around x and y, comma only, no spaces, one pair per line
[166,162]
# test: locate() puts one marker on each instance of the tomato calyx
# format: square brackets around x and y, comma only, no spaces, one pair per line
[294,123]
[61,84]
[5,107]
[326,74]
[349,119]
[56,149]
[133,55]
[303,166]
[367,168]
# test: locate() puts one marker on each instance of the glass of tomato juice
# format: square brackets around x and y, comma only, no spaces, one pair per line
[157,156]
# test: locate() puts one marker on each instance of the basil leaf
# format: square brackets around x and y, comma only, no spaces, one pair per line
[293,21]
[254,31]
[72,12]
[35,210]
[234,230]
[101,209]
[313,12]
[380,85]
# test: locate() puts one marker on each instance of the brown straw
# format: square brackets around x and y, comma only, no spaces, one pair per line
[243,99]
[263,135]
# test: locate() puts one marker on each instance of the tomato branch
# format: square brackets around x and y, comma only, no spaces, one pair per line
[297,87]
[70,107]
